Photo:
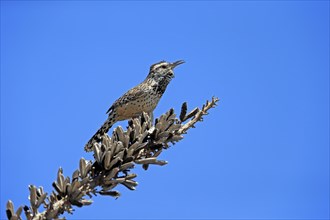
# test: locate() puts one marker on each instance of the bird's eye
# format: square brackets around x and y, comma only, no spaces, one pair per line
[163,66]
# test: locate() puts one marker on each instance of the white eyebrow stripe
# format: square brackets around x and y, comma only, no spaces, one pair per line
[157,65]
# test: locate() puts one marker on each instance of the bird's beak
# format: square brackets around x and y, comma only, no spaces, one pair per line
[176,63]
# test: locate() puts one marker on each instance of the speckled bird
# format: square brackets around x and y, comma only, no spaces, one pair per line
[142,98]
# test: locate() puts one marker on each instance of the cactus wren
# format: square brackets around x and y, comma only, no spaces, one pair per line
[142,98]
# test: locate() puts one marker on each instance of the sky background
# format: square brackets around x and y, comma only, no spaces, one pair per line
[262,153]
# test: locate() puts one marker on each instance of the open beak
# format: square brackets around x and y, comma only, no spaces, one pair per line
[176,63]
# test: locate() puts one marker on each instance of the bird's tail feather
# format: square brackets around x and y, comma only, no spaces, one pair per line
[97,136]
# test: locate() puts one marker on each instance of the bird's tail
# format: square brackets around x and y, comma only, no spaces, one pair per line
[97,136]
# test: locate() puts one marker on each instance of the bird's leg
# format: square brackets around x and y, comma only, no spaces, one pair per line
[151,116]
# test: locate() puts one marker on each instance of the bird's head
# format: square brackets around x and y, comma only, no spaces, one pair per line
[163,70]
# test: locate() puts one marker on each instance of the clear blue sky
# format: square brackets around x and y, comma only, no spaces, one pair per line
[262,153]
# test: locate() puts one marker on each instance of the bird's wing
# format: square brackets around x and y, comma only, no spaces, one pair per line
[130,95]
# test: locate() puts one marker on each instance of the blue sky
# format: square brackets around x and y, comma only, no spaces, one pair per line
[262,153]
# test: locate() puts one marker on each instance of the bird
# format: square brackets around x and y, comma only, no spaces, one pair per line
[142,98]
